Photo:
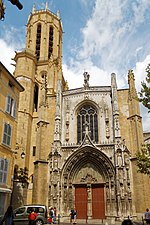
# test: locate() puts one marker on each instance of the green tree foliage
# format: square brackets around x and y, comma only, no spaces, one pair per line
[145,90]
[143,157]
[143,160]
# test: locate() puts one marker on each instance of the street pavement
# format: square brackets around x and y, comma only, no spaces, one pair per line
[99,223]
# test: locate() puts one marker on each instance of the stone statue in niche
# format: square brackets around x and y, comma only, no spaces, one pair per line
[119,159]
[126,160]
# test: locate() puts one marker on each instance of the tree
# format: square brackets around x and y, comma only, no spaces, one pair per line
[145,90]
[143,159]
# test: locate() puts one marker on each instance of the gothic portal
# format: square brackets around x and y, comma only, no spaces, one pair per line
[80,145]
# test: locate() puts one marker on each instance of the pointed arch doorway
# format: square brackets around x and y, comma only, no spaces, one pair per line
[86,176]
[89,201]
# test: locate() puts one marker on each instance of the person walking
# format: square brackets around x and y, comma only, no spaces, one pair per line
[32,217]
[8,216]
[55,214]
[147,216]
[71,216]
[51,213]
[75,217]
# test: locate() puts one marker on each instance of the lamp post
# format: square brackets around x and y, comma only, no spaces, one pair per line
[2,7]
[17,3]
[23,155]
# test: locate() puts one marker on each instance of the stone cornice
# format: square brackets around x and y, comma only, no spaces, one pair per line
[90,90]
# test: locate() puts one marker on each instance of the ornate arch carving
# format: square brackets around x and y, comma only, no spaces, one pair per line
[87,155]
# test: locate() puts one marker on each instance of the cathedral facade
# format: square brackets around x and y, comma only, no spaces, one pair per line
[80,144]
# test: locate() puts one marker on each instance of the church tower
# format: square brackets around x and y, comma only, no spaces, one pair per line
[39,70]
[80,144]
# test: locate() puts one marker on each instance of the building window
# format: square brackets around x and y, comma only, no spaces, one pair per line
[7,134]
[3,170]
[38,41]
[87,115]
[50,47]
[11,106]
[34,150]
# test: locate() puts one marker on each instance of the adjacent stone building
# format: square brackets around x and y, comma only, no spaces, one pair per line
[80,144]
[9,100]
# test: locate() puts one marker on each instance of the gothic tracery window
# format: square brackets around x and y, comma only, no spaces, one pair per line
[87,116]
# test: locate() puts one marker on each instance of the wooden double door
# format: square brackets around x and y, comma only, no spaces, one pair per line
[89,201]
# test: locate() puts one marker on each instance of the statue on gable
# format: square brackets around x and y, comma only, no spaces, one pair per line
[86,80]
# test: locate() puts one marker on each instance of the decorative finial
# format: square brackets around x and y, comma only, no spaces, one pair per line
[33,9]
[86,80]
[46,6]
[58,14]
[66,85]
[113,80]
[131,82]
[131,74]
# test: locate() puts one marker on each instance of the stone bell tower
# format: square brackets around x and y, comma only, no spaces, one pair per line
[39,70]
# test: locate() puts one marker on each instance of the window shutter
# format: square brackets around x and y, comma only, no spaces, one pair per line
[14,109]
[8,106]
[3,170]
[7,134]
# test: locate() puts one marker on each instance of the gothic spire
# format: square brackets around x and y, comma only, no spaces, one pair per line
[131,82]
[33,9]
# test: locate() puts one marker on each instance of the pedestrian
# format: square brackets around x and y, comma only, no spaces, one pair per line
[32,217]
[8,216]
[127,222]
[71,215]
[147,216]
[55,213]
[51,213]
[75,217]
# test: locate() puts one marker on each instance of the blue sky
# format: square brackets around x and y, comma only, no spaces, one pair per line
[100,36]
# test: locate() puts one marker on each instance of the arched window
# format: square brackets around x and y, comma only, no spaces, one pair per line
[38,41]
[87,115]
[50,47]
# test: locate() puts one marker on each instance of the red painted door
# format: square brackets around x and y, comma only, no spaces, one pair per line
[81,201]
[98,206]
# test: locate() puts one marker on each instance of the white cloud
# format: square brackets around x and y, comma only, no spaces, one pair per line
[140,72]
[145,118]
[140,75]
[7,52]
[112,35]
[74,76]
[11,40]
